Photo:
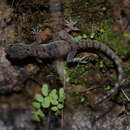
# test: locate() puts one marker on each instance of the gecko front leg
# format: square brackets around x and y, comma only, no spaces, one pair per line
[71,55]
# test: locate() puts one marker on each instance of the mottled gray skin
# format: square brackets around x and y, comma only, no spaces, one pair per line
[63,48]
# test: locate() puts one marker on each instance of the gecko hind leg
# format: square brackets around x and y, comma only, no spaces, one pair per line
[71,58]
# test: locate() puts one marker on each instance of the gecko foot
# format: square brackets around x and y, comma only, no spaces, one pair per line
[77,60]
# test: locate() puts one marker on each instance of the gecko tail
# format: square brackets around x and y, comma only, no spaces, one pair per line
[92,44]
[117,61]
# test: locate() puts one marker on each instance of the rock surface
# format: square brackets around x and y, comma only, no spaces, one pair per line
[21,119]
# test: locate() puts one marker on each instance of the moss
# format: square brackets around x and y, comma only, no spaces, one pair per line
[113,40]
[75,73]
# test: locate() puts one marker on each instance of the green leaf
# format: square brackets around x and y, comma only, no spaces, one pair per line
[76,18]
[101,64]
[54,108]
[57,113]
[82,99]
[92,35]
[46,102]
[126,35]
[36,105]
[40,113]
[53,94]
[35,117]
[61,95]
[45,89]
[102,30]
[67,79]
[53,97]
[60,106]
[108,87]
[39,98]
[104,8]
[54,101]
[79,37]
[61,92]
[84,36]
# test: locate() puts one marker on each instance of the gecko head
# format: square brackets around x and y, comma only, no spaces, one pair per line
[61,33]
[17,51]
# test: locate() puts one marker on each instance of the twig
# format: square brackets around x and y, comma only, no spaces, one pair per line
[90,89]
[12,3]
[48,120]
[125,95]
[62,120]
[62,112]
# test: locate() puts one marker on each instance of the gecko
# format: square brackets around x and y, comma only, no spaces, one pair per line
[68,48]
